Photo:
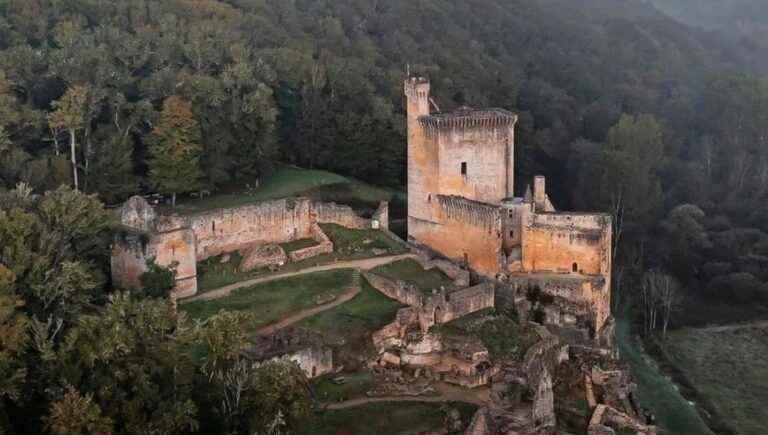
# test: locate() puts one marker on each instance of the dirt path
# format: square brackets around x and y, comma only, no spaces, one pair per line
[364,264]
[448,393]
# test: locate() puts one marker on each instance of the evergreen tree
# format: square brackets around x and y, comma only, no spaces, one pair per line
[174,165]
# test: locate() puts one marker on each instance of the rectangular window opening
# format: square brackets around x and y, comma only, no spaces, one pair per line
[464,168]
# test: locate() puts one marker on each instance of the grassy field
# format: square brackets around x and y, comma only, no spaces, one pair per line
[384,419]
[271,301]
[348,244]
[728,370]
[655,391]
[291,181]
[410,271]
[350,325]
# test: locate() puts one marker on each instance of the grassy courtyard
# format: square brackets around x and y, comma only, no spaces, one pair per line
[411,271]
[349,244]
[384,419]
[271,301]
[728,371]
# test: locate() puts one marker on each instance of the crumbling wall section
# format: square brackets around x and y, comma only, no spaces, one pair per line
[396,289]
[232,229]
[324,246]
[344,215]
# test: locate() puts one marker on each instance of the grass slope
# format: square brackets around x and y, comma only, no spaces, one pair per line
[384,419]
[290,181]
[655,391]
[271,301]
[351,324]
[729,370]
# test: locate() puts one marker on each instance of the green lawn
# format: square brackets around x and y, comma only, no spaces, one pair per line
[384,419]
[411,271]
[354,385]
[350,325]
[655,391]
[271,301]
[728,370]
[292,181]
[349,244]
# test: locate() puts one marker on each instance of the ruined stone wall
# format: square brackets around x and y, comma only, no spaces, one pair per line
[177,248]
[232,229]
[398,290]
[344,215]
[483,150]
[324,246]
[470,300]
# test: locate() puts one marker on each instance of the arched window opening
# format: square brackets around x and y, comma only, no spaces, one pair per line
[575,267]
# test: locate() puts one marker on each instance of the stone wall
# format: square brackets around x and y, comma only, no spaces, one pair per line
[437,308]
[562,242]
[232,229]
[324,246]
[398,290]
[469,231]
[186,239]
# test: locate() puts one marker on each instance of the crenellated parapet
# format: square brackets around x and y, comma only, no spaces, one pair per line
[467,118]
[473,212]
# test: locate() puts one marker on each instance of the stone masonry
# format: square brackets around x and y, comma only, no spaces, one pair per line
[462,204]
[184,240]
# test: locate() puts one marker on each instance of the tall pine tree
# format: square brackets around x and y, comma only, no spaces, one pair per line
[174,149]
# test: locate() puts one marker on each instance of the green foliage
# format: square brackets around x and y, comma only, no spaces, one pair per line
[132,360]
[157,281]
[78,414]
[175,149]
[13,338]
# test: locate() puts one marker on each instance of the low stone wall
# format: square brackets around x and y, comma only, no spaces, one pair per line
[471,299]
[324,246]
[398,290]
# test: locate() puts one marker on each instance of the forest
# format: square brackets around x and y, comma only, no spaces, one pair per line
[623,108]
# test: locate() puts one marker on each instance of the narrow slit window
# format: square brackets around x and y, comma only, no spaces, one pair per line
[511,233]
[464,169]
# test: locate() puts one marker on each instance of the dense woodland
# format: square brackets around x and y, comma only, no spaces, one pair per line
[624,109]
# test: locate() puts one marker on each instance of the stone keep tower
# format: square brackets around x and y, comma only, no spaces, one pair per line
[467,153]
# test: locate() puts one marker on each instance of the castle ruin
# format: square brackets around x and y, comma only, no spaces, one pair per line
[461,204]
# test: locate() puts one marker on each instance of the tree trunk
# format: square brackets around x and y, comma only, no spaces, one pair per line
[73,157]
[173,199]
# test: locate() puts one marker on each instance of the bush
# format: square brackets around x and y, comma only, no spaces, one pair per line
[157,281]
